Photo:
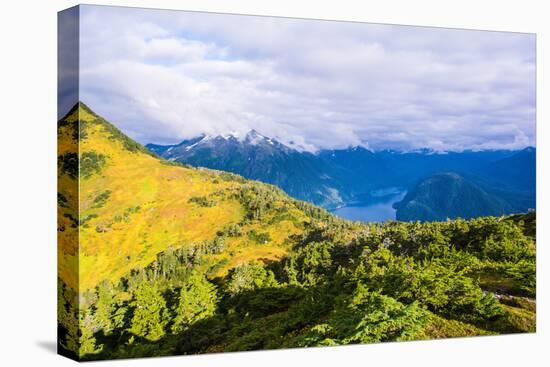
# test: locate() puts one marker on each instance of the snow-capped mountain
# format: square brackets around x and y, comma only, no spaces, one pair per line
[258,157]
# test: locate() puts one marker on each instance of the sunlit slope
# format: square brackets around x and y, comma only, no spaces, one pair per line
[67,198]
[134,205]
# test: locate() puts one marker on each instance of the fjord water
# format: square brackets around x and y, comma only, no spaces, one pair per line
[377,209]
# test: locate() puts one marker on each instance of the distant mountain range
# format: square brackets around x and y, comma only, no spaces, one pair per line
[301,174]
[480,182]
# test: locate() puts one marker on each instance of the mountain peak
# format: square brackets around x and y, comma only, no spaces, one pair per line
[80,111]
[254,137]
[233,135]
[358,148]
[253,132]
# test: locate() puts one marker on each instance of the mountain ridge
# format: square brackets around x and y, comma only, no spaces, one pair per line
[257,157]
[106,221]
[340,177]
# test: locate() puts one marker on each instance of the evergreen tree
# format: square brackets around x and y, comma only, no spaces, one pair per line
[70,323]
[197,300]
[150,313]
[87,341]
[67,318]
[104,306]
[249,277]
[80,334]
[119,316]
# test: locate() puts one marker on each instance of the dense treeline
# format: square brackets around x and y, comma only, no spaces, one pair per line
[341,283]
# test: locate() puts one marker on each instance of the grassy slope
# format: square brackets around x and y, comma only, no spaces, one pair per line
[148,210]
[67,208]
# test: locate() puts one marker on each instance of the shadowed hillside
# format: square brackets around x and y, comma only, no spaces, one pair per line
[449,195]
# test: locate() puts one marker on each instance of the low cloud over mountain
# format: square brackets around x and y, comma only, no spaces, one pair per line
[168,76]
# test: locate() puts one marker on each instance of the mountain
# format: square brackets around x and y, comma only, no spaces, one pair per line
[409,167]
[161,149]
[120,205]
[516,172]
[255,156]
[449,195]
[360,170]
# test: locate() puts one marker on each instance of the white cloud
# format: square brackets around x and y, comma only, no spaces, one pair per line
[162,76]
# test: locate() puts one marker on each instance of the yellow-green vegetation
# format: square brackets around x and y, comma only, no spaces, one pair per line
[158,259]
[132,206]
[439,327]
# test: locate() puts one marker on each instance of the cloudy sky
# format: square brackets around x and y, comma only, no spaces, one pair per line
[162,76]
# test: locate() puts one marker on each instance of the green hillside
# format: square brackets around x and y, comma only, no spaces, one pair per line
[448,195]
[177,260]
